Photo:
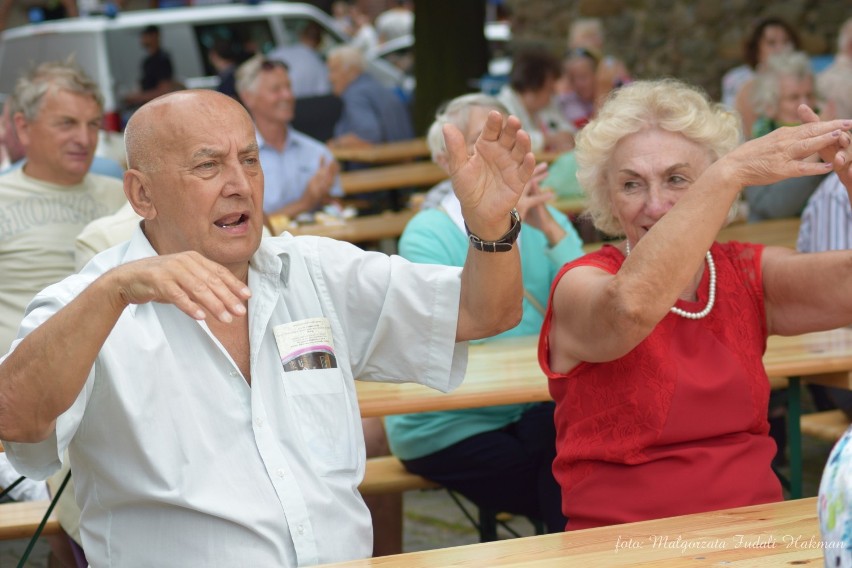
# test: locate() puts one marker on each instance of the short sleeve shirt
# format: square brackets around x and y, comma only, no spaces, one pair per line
[179,462]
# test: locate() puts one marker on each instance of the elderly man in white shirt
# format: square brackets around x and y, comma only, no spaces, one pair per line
[203,380]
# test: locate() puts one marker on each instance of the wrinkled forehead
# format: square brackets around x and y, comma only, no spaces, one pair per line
[178,127]
[213,137]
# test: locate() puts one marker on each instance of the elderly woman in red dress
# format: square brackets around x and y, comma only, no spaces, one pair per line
[653,346]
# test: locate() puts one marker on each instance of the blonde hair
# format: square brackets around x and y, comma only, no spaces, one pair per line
[667,104]
[61,75]
[248,72]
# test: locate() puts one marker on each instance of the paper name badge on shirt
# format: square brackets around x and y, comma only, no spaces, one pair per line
[305,345]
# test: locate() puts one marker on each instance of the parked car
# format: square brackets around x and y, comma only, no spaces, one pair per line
[399,53]
[108,48]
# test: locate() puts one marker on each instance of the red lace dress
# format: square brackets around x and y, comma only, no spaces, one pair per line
[678,425]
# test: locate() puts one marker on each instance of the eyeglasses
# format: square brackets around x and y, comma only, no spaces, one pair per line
[270,64]
[583,52]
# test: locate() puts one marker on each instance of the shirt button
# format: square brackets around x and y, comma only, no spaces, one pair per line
[258,422]
[234,373]
[281,473]
[300,529]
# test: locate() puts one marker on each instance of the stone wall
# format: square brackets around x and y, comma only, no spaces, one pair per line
[694,40]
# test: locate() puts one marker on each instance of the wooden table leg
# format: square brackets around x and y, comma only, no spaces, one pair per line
[794,435]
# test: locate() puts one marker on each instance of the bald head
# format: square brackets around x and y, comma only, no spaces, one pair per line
[195,177]
[154,129]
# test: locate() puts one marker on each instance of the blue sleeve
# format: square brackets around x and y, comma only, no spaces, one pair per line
[359,117]
[571,245]
[336,188]
[431,237]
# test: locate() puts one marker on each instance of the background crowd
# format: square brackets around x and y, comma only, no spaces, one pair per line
[602,121]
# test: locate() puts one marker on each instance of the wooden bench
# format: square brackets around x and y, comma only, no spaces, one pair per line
[20,520]
[399,151]
[414,174]
[387,225]
[383,475]
[386,474]
[828,425]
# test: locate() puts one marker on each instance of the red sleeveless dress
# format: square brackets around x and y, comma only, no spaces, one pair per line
[678,425]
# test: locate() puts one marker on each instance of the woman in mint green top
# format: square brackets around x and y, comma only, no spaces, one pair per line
[498,457]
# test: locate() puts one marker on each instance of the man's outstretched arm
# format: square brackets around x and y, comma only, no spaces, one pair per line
[42,377]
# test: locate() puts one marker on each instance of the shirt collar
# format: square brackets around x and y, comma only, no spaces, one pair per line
[290,141]
[270,257]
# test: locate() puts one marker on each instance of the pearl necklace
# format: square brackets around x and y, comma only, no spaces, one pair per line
[711,298]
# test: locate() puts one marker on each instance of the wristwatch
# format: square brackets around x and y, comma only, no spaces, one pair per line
[504,243]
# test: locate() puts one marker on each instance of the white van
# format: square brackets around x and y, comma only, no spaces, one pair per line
[108,49]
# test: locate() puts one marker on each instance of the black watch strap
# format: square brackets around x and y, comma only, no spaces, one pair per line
[504,243]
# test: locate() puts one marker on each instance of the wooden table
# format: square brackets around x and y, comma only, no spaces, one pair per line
[571,205]
[775,232]
[499,372]
[414,174]
[507,372]
[387,225]
[401,151]
[776,534]
[388,152]
[819,356]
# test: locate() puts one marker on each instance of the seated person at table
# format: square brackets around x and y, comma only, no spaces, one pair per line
[827,221]
[531,96]
[499,457]
[780,87]
[577,104]
[300,173]
[653,346]
[179,355]
[767,37]
[372,113]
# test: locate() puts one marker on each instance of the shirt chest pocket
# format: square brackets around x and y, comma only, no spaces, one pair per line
[321,412]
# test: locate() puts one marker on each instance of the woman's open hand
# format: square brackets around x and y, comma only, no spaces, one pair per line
[783,153]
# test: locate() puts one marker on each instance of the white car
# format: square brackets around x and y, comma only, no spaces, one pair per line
[108,48]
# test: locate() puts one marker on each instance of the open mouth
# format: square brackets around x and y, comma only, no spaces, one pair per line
[234,220]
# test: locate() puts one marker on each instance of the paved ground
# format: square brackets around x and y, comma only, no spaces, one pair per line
[432,520]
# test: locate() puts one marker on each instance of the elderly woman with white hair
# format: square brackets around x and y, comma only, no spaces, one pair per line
[784,83]
[498,457]
[653,345]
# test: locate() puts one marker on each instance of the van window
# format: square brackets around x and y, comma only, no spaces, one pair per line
[125,60]
[292,28]
[83,46]
[253,36]
[126,55]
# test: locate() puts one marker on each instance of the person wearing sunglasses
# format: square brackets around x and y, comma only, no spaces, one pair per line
[301,174]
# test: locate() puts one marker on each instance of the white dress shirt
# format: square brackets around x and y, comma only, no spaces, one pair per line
[827,219]
[178,462]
